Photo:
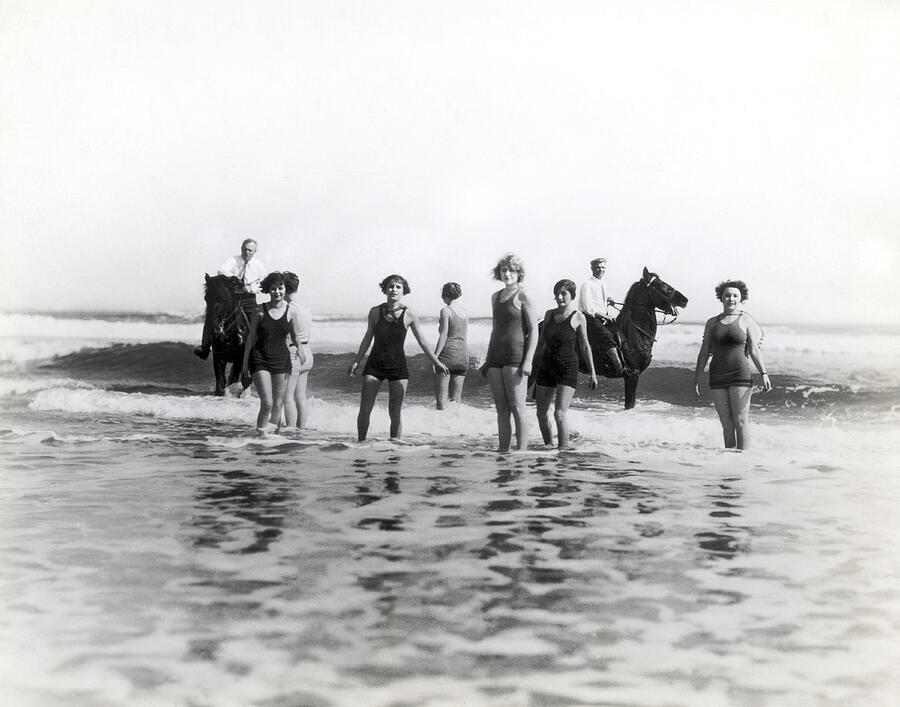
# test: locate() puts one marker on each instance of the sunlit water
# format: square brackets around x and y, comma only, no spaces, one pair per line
[153,552]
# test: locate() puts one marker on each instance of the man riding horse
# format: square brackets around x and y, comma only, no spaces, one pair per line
[594,303]
[249,270]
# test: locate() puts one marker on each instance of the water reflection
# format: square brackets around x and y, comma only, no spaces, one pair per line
[230,503]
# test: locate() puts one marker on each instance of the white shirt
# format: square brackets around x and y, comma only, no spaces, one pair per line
[592,298]
[249,273]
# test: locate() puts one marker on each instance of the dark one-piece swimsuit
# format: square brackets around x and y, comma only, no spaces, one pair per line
[387,360]
[559,360]
[730,365]
[270,351]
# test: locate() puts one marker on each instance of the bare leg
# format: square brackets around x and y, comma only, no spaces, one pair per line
[544,395]
[504,427]
[516,388]
[290,405]
[279,386]
[739,398]
[723,407]
[564,395]
[396,393]
[263,382]
[456,386]
[441,387]
[301,402]
[370,386]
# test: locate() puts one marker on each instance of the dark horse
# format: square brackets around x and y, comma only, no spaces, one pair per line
[227,312]
[636,327]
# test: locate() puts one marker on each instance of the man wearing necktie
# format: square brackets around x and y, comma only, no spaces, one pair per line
[601,328]
[249,270]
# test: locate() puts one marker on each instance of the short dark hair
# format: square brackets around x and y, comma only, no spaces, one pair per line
[564,285]
[392,278]
[273,278]
[249,240]
[736,284]
[291,282]
[451,290]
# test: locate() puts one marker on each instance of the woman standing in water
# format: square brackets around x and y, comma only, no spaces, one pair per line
[267,351]
[451,348]
[731,338]
[388,324]
[296,404]
[557,372]
[510,350]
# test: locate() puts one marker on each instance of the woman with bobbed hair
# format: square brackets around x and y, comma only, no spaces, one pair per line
[510,350]
[451,347]
[387,325]
[730,339]
[557,372]
[266,355]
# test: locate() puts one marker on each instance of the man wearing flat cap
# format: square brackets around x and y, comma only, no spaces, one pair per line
[601,328]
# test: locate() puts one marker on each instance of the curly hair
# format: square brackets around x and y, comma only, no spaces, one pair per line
[451,290]
[736,284]
[270,280]
[564,285]
[512,262]
[392,278]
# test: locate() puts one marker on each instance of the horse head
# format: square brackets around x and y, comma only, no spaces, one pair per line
[663,296]
[223,297]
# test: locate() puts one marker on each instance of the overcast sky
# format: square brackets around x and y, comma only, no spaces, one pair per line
[140,142]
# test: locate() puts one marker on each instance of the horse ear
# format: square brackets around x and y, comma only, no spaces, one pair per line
[206,275]
[646,273]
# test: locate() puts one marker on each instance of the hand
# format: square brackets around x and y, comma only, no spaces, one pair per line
[353,368]
[697,389]
[767,384]
[610,300]
[439,367]
[594,382]
[524,370]
[246,379]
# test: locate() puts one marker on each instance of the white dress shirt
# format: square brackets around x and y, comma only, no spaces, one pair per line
[249,273]
[592,298]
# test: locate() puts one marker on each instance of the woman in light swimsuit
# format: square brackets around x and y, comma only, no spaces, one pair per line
[296,404]
[731,338]
[388,324]
[511,350]
[267,351]
[451,348]
[557,371]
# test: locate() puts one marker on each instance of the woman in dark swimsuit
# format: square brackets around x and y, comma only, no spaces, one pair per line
[451,348]
[266,354]
[731,338]
[388,324]
[557,372]
[510,351]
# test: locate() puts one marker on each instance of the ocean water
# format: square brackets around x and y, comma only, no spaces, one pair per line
[153,552]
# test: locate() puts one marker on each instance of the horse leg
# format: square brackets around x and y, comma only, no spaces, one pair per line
[631,384]
[219,372]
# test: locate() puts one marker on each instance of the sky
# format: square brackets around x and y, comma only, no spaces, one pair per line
[140,142]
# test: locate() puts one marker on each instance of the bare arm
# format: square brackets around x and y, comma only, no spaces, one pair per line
[703,356]
[530,317]
[443,330]
[366,340]
[753,336]
[581,333]
[413,324]
[251,342]
[487,356]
